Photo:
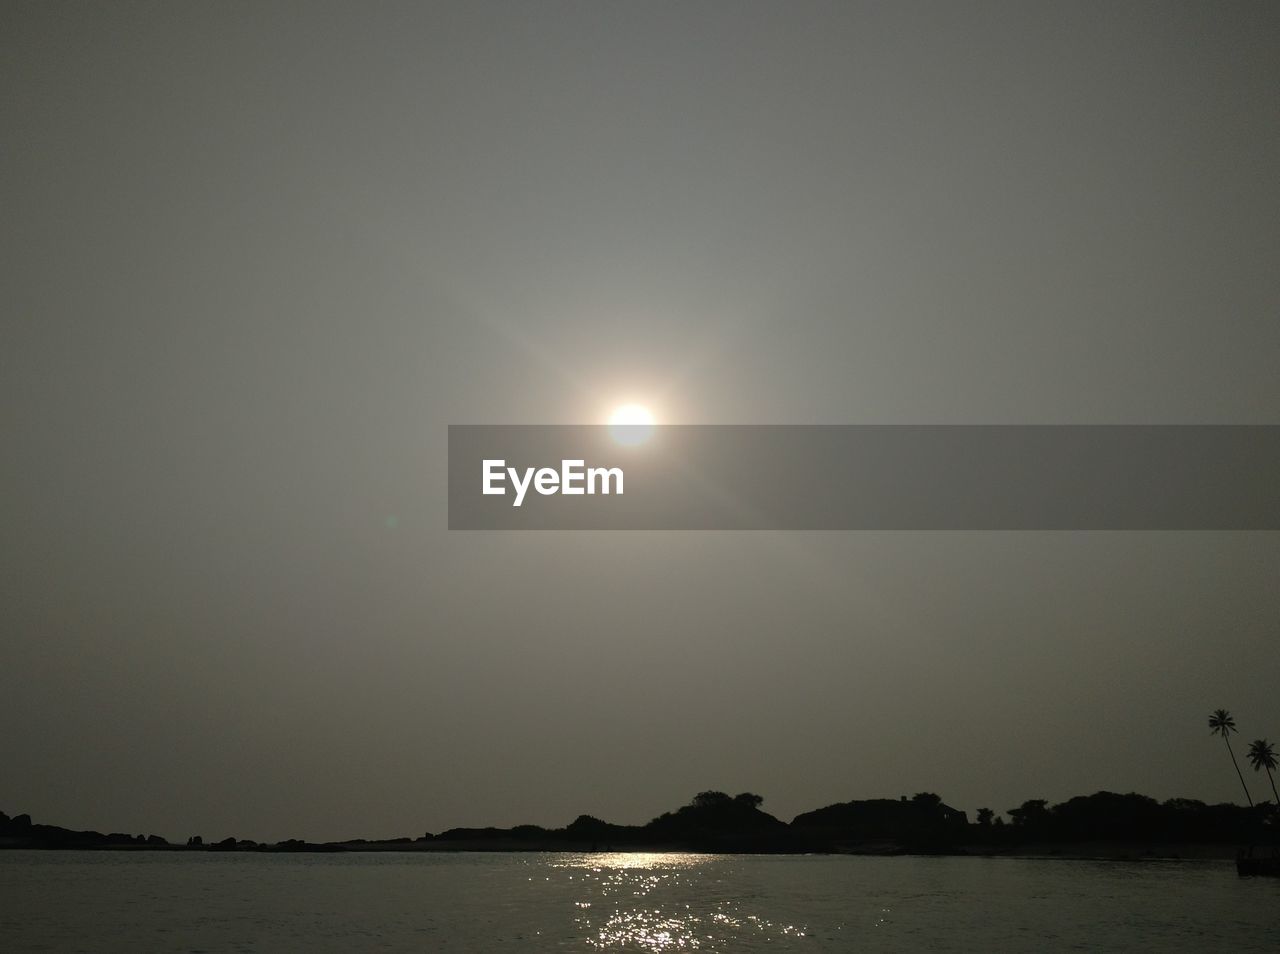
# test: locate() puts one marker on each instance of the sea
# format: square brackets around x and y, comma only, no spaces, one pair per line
[491,902]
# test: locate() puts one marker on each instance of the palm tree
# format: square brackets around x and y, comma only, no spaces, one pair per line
[1262,756]
[1221,723]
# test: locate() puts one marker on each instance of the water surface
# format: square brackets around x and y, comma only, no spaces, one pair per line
[181,901]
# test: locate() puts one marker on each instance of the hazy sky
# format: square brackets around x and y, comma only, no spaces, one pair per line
[255,258]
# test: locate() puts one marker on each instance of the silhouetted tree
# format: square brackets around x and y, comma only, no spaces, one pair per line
[711,799]
[1221,723]
[1108,815]
[749,799]
[985,815]
[923,823]
[1262,756]
[1032,815]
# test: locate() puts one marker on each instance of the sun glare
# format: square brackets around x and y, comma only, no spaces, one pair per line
[631,424]
[631,415]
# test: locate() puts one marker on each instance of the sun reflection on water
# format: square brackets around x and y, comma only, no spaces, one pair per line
[635,859]
[642,901]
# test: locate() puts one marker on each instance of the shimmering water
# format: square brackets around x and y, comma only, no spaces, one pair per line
[155,901]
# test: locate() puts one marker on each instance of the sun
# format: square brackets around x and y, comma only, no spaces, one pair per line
[631,424]
[631,415]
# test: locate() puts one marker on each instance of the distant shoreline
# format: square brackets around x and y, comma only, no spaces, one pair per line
[1103,826]
[1119,852]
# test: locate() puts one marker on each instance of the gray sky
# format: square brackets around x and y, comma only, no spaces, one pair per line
[256,257]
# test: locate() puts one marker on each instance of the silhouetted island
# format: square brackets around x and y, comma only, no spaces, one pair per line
[1103,824]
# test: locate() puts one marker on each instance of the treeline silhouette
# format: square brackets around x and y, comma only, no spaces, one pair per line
[717,822]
